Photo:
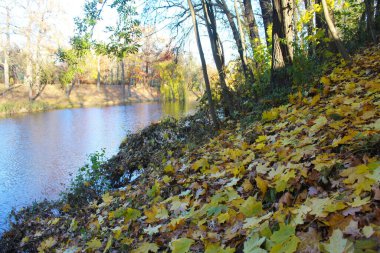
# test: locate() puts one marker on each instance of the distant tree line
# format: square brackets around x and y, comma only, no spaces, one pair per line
[280,44]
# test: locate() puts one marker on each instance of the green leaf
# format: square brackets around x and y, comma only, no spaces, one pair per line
[217,248]
[181,245]
[109,244]
[252,245]
[337,244]
[152,230]
[132,214]
[46,244]
[94,244]
[201,163]
[251,207]
[283,234]
[320,122]
[146,247]
[289,246]
[284,240]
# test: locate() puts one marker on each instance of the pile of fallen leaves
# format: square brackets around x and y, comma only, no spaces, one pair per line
[308,182]
[146,148]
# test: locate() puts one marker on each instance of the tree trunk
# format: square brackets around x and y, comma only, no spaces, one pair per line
[7,49]
[70,88]
[218,55]
[241,32]
[204,66]
[267,14]
[334,33]
[320,24]
[369,9]
[294,23]
[37,62]
[146,73]
[377,17]
[123,80]
[98,77]
[112,79]
[282,39]
[252,25]
[29,68]
[248,74]
[310,27]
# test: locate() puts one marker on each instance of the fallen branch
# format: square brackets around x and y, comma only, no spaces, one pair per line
[9,89]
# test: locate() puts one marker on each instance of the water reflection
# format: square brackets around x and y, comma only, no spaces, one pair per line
[39,151]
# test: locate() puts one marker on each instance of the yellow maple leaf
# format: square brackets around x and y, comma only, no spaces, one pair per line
[94,244]
[261,184]
[320,122]
[315,100]
[223,217]
[107,198]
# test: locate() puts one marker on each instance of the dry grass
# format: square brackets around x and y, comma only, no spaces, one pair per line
[53,97]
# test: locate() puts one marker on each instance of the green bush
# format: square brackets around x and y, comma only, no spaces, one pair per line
[90,181]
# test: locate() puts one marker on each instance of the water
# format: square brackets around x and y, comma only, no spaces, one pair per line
[39,152]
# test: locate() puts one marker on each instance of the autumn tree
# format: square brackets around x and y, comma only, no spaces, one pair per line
[251,23]
[7,44]
[122,36]
[218,54]
[237,37]
[333,31]
[204,66]
[267,16]
[282,39]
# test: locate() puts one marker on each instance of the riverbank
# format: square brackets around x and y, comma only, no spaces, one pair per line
[303,178]
[53,97]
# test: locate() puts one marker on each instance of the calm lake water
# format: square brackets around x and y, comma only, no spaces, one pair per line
[39,152]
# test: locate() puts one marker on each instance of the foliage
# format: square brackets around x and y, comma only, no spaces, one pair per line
[305,68]
[74,64]
[173,86]
[304,178]
[122,36]
[348,20]
[89,182]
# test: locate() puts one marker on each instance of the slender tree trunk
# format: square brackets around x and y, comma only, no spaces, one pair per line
[320,24]
[282,39]
[310,27]
[37,62]
[252,25]
[267,14]
[7,49]
[369,9]
[146,73]
[29,68]
[98,77]
[218,55]
[6,67]
[248,74]
[241,31]
[296,40]
[118,80]
[112,78]
[334,33]
[377,17]
[123,80]
[70,87]
[204,66]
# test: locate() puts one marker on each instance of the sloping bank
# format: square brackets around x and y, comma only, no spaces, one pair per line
[304,178]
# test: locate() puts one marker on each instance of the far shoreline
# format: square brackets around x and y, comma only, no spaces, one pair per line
[15,102]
